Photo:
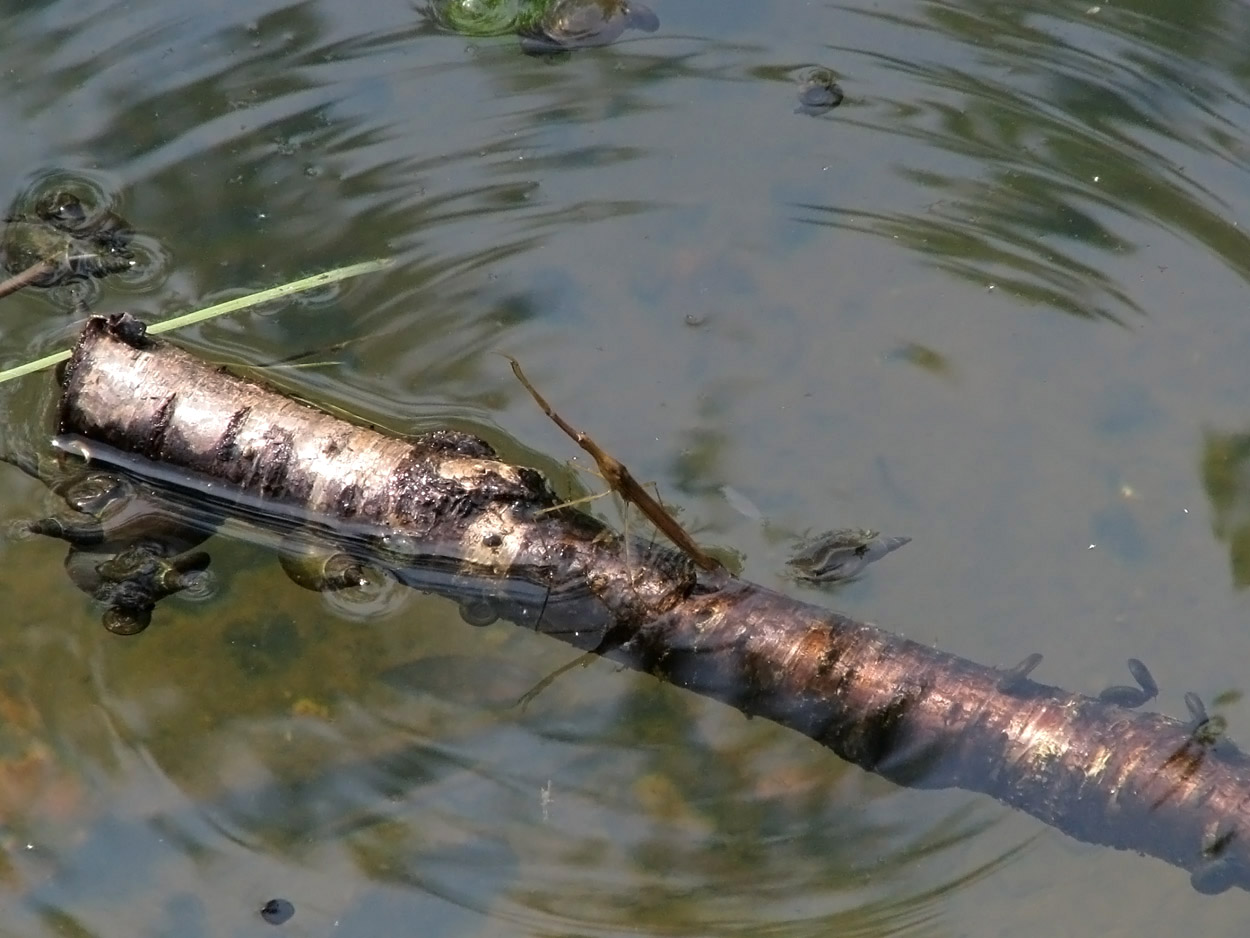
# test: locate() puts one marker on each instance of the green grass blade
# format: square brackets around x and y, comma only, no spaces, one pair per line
[30,367]
[221,309]
[264,296]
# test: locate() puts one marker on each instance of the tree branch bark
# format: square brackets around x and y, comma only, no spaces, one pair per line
[444,514]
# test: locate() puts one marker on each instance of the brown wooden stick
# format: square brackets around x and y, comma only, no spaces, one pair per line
[622,480]
[26,277]
[1087,766]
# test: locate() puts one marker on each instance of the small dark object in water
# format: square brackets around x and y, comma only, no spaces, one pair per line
[1204,729]
[69,242]
[126,550]
[841,555]
[478,612]
[62,210]
[133,330]
[1217,871]
[135,580]
[1142,675]
[319,568]
[1129,697]
[579,24]
[277,911]
[818,92]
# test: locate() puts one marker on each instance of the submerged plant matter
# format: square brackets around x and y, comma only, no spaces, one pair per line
[58,240]
[485,17]
[545,25]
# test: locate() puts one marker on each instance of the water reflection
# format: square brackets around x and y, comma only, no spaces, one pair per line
[315,155]
[256,745]
[1068,133]
[617,814]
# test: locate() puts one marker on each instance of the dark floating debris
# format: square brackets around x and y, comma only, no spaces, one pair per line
[57,239]
[126,550]
[1122,695]
[1205,729]
[478,612]
[818,92]
[840,555]
[1216,871]
[579,24]
[277,911]
[1142,675]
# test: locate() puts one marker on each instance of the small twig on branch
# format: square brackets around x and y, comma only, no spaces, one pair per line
[622,481]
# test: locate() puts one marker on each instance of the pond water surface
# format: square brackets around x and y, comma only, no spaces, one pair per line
[995,301]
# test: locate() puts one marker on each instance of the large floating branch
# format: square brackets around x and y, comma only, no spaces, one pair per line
[444,514]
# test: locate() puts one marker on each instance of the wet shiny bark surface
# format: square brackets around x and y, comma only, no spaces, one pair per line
[916,715]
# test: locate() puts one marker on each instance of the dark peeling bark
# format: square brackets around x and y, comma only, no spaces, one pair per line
[916,715]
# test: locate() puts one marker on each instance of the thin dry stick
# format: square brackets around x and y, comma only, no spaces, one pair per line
[620,479]
[528,697]
[26,277]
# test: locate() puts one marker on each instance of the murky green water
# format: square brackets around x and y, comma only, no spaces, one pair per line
[995,301]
